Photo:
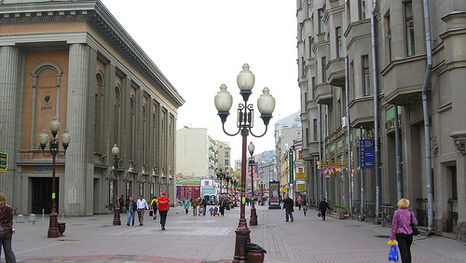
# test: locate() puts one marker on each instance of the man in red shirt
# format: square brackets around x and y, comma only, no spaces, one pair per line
[163,205]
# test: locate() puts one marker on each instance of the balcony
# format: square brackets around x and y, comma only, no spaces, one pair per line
[324,93]
[311,151]
[361,111]
[336,72]
[358,31]
[403,80]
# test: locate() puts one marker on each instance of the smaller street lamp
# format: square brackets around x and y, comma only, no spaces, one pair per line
[54,151]
[253,219]
[116,161]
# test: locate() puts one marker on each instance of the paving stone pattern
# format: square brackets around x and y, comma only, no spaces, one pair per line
[206,239]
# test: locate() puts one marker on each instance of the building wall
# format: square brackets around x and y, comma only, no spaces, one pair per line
[400,64]
[78,72]
[192,152]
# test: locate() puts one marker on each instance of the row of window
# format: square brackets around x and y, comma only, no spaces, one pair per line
[117,127]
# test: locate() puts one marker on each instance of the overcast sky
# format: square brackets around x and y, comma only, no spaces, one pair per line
[200,44]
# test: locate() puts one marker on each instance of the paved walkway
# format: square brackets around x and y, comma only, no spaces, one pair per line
[211,239]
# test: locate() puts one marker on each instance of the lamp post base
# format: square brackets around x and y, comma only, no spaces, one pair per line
[253,219]
[53,226]
[242,238]
[116,217]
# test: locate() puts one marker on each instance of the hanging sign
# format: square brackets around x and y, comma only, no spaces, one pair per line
[3,162]
[366,154]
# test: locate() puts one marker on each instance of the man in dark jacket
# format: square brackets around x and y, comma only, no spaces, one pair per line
[288,206]
[204,203]
[323,208]
[6,229]
[131,211]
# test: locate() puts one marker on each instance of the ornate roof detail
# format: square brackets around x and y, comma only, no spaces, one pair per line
[96,15]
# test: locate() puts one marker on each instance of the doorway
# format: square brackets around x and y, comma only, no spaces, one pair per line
[41,197]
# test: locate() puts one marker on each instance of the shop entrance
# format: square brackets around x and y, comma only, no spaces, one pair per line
[41,197]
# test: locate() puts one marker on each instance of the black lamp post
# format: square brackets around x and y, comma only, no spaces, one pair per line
[245,122]
[54,151]
[116,210]
[220,176]
[253,219]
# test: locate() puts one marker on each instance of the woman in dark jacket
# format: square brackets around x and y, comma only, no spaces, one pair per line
[6,230]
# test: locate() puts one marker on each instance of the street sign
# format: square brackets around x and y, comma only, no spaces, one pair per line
[3,162]
[366,154]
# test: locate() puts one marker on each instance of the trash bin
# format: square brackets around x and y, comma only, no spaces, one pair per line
[255,253]
[61,228]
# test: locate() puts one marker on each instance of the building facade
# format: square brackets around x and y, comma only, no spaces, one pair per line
[72,60]
[337,98]
[196,153]
[291,124]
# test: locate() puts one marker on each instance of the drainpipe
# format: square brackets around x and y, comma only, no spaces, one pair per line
[319,135]
[348,123]
[399,186]
[430,215]
[376,118]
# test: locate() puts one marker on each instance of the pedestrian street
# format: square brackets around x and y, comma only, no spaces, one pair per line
[211,239]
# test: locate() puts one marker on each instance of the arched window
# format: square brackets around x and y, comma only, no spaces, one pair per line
[132,127]
[144,133]
[99,112]
[117,114]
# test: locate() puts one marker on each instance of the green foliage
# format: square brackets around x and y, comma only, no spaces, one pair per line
[336,207]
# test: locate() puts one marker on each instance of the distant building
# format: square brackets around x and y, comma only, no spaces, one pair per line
[292,122]
[196,153]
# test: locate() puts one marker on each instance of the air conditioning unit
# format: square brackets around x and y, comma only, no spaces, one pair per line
[344,122]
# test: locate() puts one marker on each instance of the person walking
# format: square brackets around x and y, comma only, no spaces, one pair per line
[121,202]
[186,204]
[288,206]
[153,205]
[222,206]
[163,204]
[194,203]
[299,202]
[204,205]
[402,230]
[323,206]
[142,206]
[131,210]
[6,230]
[304,204]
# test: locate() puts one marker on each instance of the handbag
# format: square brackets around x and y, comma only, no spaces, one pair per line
[413,227]
[319,214]
[151,213]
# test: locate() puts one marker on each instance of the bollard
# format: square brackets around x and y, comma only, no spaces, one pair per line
[43,215]
[20,218]
[32,219]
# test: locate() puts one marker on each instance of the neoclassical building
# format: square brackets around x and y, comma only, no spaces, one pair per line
[338,73]
[72,60]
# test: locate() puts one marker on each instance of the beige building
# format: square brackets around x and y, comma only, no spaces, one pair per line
[72,60]
[330,30]
[223,155]
[196,153]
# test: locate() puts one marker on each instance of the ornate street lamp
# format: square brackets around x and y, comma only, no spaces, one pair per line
[245,122]
[54,151]
[253,219]
[116,161]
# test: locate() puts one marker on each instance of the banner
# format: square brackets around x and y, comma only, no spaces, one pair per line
[366,154]
[301,176]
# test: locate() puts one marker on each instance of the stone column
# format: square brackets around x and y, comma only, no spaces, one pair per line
[76,161]
[9,84]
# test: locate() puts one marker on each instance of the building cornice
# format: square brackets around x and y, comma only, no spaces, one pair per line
[94,13]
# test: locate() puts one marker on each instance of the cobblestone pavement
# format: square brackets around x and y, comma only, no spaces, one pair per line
[211,239]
